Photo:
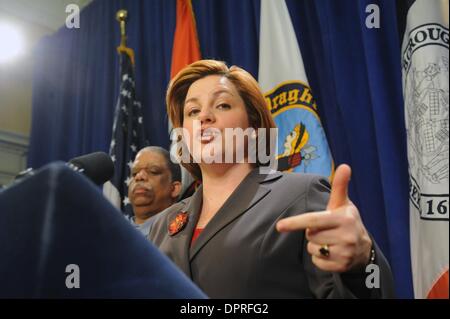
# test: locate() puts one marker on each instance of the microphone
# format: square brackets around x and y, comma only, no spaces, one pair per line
[97,166]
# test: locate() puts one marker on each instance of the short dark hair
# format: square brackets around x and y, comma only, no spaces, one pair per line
[175,169]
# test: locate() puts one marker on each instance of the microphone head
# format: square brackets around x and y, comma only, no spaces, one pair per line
[97,166]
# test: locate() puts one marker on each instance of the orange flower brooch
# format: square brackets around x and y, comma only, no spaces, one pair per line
[178,223]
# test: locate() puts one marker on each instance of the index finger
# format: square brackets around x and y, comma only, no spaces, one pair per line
[316,220]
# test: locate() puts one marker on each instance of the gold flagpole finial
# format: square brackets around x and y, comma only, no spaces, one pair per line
[121,16]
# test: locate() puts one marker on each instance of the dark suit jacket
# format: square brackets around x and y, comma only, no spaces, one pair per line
[240,254]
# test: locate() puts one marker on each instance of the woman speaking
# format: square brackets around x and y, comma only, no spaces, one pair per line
[249,232]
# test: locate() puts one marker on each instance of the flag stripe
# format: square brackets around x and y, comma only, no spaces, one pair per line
[440,288]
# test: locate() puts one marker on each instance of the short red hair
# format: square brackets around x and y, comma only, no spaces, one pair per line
[246,85]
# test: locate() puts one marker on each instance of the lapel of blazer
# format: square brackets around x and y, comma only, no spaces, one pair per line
[181,241]
[244,197]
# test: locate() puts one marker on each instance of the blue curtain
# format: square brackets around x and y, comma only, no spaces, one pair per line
[229,31]
[76,79]
[354,73]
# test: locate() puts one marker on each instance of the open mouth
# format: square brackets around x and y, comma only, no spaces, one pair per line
[207,135]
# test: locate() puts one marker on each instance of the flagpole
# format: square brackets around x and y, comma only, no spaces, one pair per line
[128,133]
[121,17]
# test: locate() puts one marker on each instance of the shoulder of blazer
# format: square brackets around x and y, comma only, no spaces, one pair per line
[266,179]
[177,207]
[294,179]
[159,220]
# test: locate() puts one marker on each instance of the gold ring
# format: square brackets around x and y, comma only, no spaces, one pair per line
[324,251]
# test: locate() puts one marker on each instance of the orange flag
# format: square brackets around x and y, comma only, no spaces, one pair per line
[186,48]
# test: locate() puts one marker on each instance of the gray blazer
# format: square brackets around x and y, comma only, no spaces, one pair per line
[240,254]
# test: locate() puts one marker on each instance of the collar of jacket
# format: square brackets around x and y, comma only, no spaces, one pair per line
[249,192]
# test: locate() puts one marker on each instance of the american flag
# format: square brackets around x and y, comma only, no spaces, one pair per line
[128,137]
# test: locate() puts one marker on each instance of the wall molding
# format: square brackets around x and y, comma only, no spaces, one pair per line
[14,139]
[13,155]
